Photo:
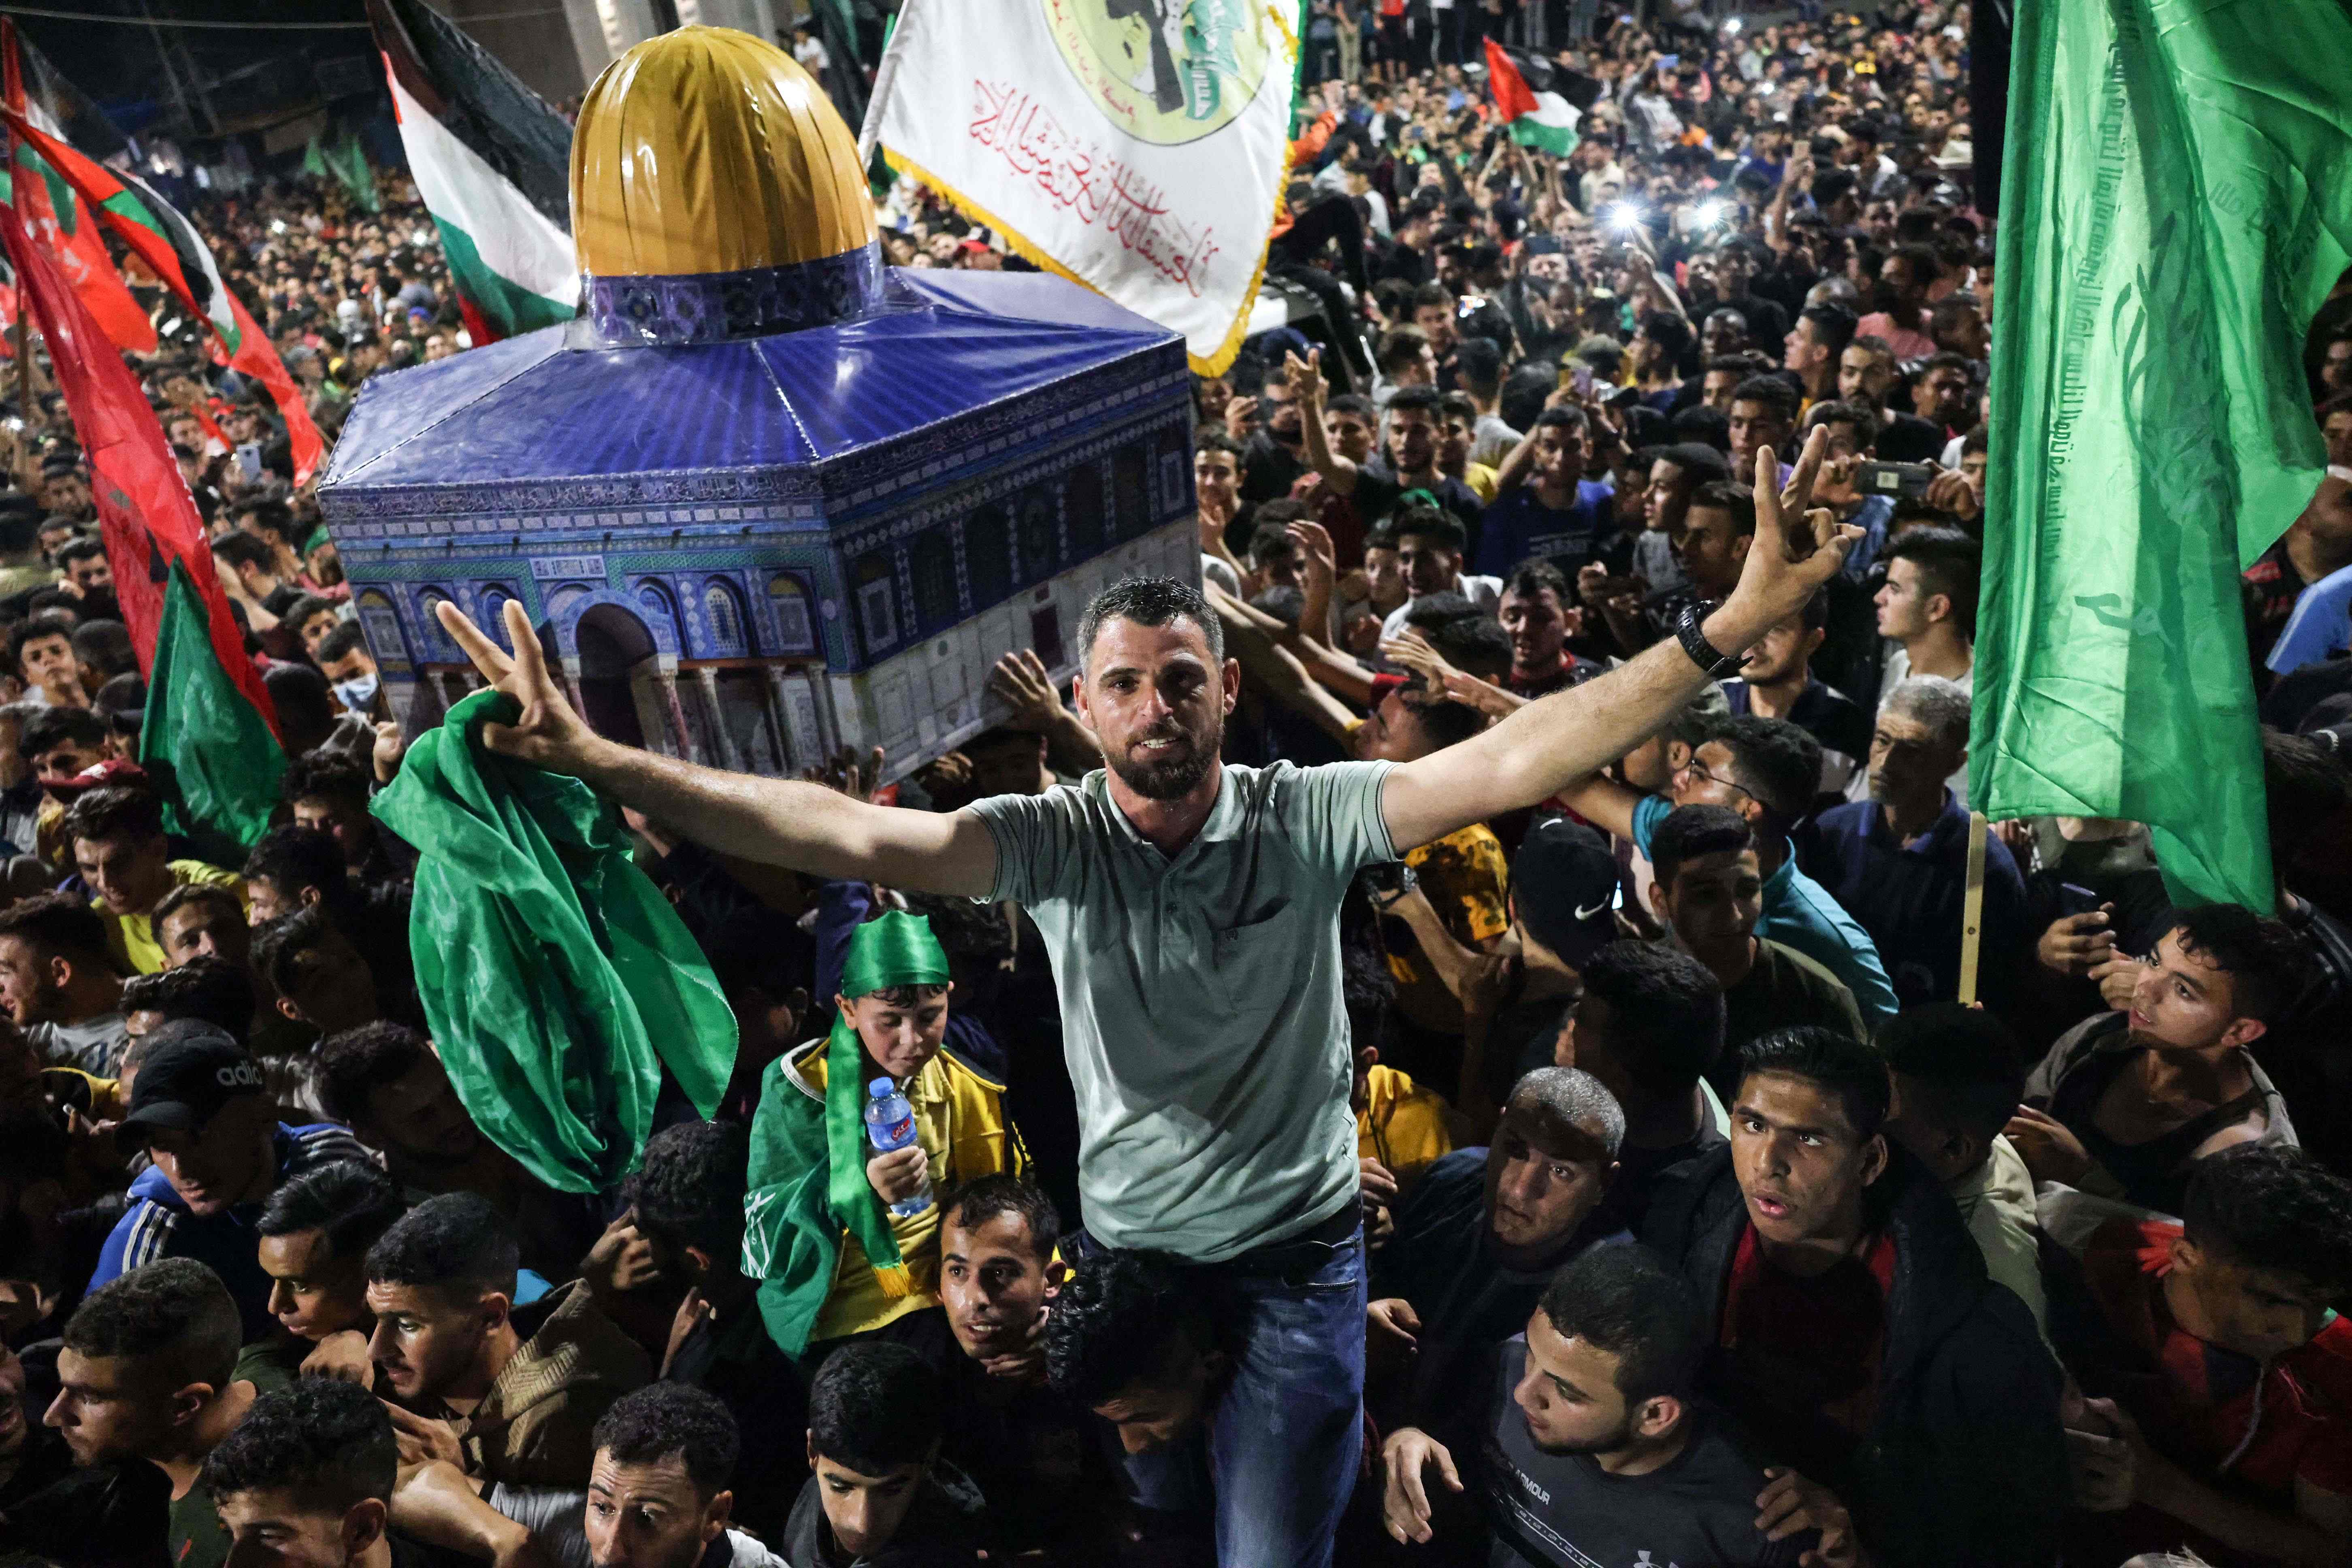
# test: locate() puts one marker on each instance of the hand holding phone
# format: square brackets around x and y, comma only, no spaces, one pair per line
[1908,480]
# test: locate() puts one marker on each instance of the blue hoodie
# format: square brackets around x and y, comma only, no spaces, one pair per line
[157,1224]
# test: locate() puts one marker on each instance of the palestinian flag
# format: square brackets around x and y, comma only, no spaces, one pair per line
[182,262]
[493,163]
[51,215]
[210,733]
[1540,102]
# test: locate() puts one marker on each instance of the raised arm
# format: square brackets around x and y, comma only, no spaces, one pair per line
[1329,667]
[1603,802]
[775,822]
[1545,746]
[1280,677]
[1308,387]
[1021,681]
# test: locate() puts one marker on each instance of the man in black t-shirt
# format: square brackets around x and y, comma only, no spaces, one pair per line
[1649,1026]
[1034,1455]
[1592,1451]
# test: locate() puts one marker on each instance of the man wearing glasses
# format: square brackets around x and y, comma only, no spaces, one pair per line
[1767,769]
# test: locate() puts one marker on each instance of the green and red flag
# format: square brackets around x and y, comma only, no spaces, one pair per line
[1540,104]
[209,731]
[177,255]
[2176,203]
[46,207]
[493,163]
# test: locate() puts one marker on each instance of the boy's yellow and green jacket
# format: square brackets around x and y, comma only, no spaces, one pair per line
[830,1257]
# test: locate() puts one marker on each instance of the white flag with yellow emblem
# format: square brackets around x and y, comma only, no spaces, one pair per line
[1136,147]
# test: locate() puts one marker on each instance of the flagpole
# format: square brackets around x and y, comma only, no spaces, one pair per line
[11,87]
[1972,910]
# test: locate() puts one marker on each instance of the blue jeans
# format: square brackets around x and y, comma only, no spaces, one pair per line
[1278,1458]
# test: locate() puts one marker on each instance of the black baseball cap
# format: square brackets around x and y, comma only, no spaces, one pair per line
[187,1072]
[1563,883]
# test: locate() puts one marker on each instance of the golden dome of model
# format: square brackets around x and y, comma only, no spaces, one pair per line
[708,151]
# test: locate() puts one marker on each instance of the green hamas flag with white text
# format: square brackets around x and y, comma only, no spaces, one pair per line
[2176,201]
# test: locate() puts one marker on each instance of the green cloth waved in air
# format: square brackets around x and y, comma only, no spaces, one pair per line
[557,980]
[2176,204]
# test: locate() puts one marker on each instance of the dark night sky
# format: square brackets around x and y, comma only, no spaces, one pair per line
[119,64]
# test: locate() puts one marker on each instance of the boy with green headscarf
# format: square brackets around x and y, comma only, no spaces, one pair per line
[833,1260]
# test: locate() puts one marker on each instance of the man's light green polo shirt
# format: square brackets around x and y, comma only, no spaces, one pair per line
[1200,1008]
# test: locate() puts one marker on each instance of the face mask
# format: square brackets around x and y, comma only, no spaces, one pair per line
[358,693]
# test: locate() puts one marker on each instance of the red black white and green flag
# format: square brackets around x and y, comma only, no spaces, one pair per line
[47,208]
[1541,103]
[171,249]
[493,163]
[210,733]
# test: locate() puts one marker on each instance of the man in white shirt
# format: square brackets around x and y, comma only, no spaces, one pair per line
[1927,608]
[810,52]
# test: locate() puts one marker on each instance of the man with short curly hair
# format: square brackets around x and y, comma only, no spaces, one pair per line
[148,1371]
[58,982]
[659,1494]
[305,1478]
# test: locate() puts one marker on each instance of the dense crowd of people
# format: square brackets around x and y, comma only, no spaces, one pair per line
[1420,1053]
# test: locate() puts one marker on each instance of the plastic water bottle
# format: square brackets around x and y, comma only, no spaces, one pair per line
[891,1124]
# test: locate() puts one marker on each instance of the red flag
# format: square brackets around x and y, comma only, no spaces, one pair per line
[145,514]
[171,248]
[258,360]
[66,229]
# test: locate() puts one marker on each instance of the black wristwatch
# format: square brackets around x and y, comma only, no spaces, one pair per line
[1703,653]
[1384,896]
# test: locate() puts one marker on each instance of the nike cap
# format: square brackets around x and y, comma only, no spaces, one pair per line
[1563,887]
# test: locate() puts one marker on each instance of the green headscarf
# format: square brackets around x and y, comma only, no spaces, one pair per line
[808,1179]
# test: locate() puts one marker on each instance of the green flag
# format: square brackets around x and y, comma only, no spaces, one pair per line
[2177,200]
[348,160]
[346,164]
[559,984]
[202,735]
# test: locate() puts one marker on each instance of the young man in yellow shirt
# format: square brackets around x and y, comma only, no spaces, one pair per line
[116,834]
